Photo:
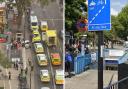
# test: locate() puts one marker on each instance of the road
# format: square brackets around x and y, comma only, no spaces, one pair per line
[54,17]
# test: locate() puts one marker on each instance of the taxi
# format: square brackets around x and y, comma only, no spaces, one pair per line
[44,76]
[38,48]
[36,38]
[55,57]
[42,60]
[35,31]
[44,26]
[59,76]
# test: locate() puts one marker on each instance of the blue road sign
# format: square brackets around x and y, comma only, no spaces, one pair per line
[99,17]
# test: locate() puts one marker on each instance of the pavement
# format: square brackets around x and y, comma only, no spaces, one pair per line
[89,79]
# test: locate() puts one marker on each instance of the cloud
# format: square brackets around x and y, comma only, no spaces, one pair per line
[114,12]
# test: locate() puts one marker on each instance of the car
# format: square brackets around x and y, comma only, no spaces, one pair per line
[55,57]
[35,31]
[34,22]
[42,60]
[45,88]
[44,76]
[59,76]
[44,26]
[38,48]
[36,38]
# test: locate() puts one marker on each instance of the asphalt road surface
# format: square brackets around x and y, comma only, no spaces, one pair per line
[52,14]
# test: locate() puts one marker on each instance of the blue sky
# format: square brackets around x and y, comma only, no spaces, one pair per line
[117,5]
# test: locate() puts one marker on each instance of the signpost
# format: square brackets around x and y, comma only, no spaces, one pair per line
[99,20]
[99,17]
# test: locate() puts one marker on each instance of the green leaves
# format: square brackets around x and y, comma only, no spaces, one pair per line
[4,61]
[73,12]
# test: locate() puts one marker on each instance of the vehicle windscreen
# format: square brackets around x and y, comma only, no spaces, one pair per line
[60,77]
[34,23]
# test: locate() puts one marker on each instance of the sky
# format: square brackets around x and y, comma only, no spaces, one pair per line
[117,5]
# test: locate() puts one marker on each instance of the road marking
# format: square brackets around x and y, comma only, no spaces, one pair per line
[51,68]
[10,87]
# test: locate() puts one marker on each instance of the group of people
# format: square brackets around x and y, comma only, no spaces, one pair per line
[16,44]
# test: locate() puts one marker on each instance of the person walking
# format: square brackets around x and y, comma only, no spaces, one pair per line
[68,64]
[9,75]
[26,70]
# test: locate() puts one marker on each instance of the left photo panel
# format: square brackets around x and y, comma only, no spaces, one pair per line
[31,44]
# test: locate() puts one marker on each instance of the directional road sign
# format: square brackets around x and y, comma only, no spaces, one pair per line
[99,15]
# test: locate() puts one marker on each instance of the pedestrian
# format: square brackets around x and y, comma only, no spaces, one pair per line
[9,73]
[68,64]
[29,62]
[26,71]
[17,66]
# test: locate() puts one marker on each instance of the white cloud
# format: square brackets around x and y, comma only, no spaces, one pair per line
[114,12]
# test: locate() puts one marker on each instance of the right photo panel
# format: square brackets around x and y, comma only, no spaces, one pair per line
[96,44]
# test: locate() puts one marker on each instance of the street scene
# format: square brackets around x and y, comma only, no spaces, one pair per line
[96,40]
[31,44]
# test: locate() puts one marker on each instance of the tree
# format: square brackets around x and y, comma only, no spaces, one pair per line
[73,12]
[4,61]
[123,19]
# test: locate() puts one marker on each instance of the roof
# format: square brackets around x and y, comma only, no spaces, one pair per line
[51,33]
[45,88]
[56,55]
[2,4]
[44,23]
[34,19]
[42,56]
[44,72]
[38,44]
[60,72]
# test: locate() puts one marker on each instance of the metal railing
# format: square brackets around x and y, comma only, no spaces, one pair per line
[115,85]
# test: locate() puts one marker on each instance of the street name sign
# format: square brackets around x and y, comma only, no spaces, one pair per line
[99,16]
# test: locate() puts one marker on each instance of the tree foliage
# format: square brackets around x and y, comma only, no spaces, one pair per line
[4,61]
[73,12]
[123,19]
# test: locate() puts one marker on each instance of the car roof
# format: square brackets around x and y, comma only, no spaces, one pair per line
[60,72]
[45,88]
[44,23]
[44,72]
[56,55]
[42,56]
[34,19]
[38,44]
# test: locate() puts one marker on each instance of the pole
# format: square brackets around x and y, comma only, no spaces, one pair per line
[100,59]
[30,79]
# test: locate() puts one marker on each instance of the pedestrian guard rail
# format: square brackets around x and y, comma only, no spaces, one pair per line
[118,85]
[81,62]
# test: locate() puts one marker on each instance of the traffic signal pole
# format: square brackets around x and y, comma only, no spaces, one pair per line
[100,59]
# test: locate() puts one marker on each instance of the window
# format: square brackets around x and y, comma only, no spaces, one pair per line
[34,24]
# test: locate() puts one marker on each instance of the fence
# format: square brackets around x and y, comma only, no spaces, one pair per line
[118,85]
[81,62]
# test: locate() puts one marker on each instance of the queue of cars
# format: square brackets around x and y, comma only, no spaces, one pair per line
[40,53]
